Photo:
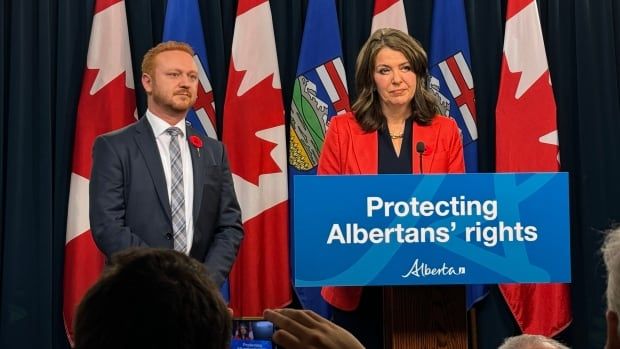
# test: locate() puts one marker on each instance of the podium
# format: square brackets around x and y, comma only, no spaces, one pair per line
[424,317]
[416,234]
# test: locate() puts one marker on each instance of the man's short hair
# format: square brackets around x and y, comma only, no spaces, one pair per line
[148,62]
[531,341]
[153,298]
[611,257]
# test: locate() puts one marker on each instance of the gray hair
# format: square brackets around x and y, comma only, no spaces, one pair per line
[531,341]
[611,257]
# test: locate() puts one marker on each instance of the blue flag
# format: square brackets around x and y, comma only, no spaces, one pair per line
[451,81]
[319,93]
[183,23]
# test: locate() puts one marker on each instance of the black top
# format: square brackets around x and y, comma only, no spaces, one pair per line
[389,162]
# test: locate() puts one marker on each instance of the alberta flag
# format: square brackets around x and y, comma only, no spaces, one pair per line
[183,23]
[451,78]
[320,92]
[452,83]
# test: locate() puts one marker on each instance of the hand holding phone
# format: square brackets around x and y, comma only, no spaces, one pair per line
[308,330]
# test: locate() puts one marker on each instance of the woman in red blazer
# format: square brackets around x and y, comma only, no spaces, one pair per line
[393,118]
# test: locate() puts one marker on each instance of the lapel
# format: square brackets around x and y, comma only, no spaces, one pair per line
[430,136]
[146,142]
[199,158]
[365,145]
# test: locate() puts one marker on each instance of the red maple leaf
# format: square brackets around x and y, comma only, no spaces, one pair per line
[520,124]
[110,108]
[258,109]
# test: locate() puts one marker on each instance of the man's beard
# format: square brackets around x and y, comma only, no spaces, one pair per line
[172,104]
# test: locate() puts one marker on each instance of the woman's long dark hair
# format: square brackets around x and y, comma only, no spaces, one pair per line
[367,107]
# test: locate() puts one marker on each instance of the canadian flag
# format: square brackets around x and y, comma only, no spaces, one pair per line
[107,102]
[254,134]
[389,14]
[527,140]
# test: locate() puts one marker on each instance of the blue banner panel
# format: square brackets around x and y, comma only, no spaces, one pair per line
[431,229]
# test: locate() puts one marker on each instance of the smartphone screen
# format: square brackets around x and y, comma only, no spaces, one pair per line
[254,334]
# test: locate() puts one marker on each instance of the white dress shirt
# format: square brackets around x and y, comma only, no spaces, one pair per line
[159,127]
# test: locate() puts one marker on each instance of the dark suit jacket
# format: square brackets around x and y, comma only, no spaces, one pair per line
[350,150]
[129,204]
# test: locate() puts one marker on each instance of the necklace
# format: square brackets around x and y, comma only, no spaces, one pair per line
[399,135]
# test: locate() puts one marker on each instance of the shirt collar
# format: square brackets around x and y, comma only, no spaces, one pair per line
[159,126]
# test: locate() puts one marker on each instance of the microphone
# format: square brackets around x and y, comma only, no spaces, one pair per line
[420,147]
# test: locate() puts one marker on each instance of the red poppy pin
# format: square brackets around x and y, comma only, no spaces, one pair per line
[196,142]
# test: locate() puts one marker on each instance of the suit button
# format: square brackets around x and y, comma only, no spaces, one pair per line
[168,236]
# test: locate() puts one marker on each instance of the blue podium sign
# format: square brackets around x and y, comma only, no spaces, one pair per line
[431,229]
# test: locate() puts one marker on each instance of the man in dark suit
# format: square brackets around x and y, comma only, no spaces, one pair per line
[158,183]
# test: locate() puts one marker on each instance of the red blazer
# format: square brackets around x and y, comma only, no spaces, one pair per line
[350,150]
